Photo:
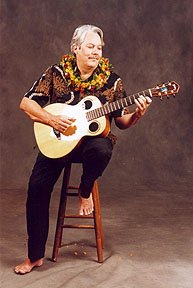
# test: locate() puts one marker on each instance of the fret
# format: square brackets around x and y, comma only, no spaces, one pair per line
[144,94]
[91,116]
[150,93]
[125,102]
[87,116]
[114,103]
[121,103]
[99,112]
[96,113]
[103,110]
[117,102]
[108,108]
[130,100]
[111,107]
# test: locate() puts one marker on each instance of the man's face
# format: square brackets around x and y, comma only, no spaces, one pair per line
[90,52]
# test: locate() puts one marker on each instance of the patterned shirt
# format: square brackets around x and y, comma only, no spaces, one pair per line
[52,87]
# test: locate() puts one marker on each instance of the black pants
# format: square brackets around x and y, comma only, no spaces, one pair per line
[94,154]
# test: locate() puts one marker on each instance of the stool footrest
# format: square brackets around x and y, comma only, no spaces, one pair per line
[73,187]
[72,194]
[79,216]
[78,226]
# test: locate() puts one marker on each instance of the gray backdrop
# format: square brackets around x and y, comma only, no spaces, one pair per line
[148,42]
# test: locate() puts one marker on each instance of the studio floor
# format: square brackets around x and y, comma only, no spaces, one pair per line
[148,242]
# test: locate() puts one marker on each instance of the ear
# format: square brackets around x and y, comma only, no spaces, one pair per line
[76,48]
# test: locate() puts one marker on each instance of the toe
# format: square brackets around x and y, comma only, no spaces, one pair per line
[81,212]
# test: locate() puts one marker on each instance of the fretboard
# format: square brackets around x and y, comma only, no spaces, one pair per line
[116,105]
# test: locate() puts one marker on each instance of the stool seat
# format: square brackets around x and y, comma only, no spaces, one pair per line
[68,191]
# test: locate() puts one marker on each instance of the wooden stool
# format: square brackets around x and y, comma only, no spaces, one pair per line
[96,216]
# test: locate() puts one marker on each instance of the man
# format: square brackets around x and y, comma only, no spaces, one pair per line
[83,73]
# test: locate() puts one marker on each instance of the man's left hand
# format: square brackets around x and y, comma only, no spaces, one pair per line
[142,104]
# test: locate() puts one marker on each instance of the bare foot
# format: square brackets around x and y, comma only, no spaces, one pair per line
[27,266]
[86,205]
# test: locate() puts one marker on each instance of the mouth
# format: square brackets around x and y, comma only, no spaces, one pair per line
[93,58]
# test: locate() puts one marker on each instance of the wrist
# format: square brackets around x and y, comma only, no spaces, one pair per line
[135,117]
[50,119]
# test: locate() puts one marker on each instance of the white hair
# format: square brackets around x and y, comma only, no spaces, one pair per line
[80,35]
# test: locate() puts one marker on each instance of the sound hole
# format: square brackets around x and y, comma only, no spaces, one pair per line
[88,104]
[57,133]
[93,127]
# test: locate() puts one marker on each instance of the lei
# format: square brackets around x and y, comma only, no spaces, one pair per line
[72,76]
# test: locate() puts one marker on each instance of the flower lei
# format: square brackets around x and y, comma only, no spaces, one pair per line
[74,80]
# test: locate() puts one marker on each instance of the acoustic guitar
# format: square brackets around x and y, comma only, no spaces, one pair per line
[91,120]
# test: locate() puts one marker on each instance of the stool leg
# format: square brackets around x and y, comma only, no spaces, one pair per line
[99,213]
[98,223]
[61,212]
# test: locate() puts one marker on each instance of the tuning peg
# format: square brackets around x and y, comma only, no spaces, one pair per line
[168,96]
[161,98]
[174,95]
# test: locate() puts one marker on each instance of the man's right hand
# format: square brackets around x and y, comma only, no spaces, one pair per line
[60,122]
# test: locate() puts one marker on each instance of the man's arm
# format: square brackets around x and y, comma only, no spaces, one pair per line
[38,114]
[128,120]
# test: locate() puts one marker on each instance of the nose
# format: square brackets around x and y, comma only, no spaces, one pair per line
[96,52]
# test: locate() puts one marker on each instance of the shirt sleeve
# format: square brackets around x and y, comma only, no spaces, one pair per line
[41,90]
[119,92]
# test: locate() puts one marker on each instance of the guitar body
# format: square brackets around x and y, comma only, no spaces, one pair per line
[54,144]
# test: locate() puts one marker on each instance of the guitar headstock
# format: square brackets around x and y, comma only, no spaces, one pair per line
[165,89]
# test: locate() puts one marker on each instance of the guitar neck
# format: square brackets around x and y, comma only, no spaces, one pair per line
[116,105]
